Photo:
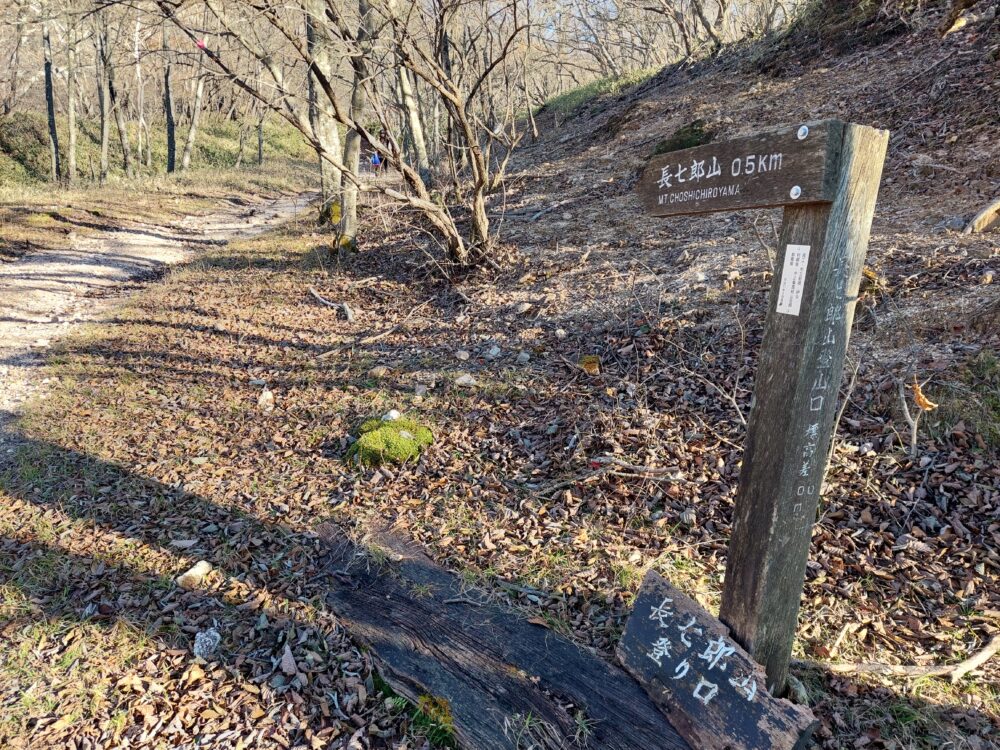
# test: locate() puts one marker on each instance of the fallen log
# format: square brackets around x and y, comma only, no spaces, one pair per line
[503,681]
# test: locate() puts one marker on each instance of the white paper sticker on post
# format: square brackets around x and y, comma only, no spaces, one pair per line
[793,279]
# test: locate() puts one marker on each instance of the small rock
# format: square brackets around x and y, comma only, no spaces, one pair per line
[700,276]
[561,334]
[523,358]
[797,692]
[522,308]
[390,416]
[986,278]
[378,371]
[420,390]
[266,400]
[493,352]
[195,575]
[953,224]
[206,644]
[258,381]
[688,517]
[465,379]
[462,355]
[183,543]
[567,216]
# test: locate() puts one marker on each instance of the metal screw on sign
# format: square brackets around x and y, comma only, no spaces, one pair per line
[803,132]
[795,192]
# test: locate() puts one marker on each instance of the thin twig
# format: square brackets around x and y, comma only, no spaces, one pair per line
[651,470]
[912,421]
[342,306]
[843,408]
[376,337]
[954,671]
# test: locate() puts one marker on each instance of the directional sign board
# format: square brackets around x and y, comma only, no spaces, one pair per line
[789,166]
[712,691]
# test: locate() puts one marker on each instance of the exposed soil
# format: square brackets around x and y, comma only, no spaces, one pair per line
[46,294]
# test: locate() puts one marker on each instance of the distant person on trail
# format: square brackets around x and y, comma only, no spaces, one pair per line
[376,162]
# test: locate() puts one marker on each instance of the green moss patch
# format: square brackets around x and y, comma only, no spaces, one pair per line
[396,441]
[691,135]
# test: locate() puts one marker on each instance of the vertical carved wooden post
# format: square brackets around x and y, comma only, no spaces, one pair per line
[820,260]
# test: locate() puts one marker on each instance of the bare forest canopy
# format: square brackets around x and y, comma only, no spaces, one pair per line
[440,91]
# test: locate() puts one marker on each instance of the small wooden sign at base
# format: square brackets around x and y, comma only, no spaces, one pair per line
[712,691]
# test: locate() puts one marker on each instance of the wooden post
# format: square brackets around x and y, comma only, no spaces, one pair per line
[826,175]
[820,260]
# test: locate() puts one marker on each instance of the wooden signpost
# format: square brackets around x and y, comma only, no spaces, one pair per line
[826,175]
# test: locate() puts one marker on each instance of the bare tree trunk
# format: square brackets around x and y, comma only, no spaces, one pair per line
[416,127]
[140,105]
[117,106]
[104,100]
[199,93]
[239,153]
[14,65]
[260,141]
[321,118]
[700,12]
[527,103]
[352,145]
[168,107]
[71,102]
[55,172]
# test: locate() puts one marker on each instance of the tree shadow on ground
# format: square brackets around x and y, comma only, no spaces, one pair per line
[89,554]
[89,548]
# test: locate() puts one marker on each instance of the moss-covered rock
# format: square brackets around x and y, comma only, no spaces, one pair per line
[396,441]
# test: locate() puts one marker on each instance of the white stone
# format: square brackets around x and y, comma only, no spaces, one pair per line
[266,400]
[193,577]
[206,644]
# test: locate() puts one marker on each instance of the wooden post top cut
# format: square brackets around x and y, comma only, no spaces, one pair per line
[712,691]
[793,165]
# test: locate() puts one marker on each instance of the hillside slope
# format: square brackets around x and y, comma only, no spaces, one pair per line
[585,404]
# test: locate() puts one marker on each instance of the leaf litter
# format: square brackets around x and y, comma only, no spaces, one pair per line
[552,486]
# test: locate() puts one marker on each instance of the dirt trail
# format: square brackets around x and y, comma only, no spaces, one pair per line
[45,295]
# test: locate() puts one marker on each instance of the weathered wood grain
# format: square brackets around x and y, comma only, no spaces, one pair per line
[711,689]
[795,396]
[507,683]
[789,166]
